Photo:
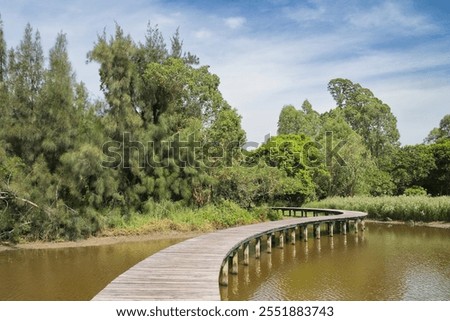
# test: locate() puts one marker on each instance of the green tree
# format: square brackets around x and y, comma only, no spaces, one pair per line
[162,98]
[348,174]
[288,121]
[4,95]
[57,117]
[3,54]
[368,116]
[437,182]
[225,139]
[177,50]
[411,166]
[297,156]
[304,121]
[342,91]
[310,123]
[440,133]
[25,79]
[117,77]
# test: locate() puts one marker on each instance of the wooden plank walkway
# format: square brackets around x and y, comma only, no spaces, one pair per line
[190,270]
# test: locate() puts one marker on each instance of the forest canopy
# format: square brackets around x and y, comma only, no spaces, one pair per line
[163,136]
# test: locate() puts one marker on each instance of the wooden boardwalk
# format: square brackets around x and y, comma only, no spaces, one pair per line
[190,270]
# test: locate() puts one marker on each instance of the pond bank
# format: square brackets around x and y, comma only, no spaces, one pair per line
[101,240]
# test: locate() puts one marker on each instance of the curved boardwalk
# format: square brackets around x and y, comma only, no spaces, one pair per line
[190,270]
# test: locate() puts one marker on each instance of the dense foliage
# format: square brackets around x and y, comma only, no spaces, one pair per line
[164,146]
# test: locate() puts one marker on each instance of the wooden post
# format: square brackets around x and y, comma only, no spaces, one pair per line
[224,274]
[292,236]
[317,231]
[356,225]
[344,227]
[281,239]
[331,229]
[258,248]
[234,262]
[305,233]
[246,254]
[269,243]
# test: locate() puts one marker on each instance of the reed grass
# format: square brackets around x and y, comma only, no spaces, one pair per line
[403,208]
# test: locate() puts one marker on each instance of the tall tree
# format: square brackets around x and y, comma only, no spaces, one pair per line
[440,133]
[177,50]
[367,115]
[288,121]
[349,169]
[227,137]
[437,182]
[57,117]
[310,123]
[412,165]
[342,91]
[3,54]
[304,121]
[117,76]
[25,79]
[298,157]
[4,105]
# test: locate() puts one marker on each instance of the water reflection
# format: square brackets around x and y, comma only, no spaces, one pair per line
[381,263]
[69,273]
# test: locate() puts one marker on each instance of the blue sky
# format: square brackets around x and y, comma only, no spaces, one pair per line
[270,53]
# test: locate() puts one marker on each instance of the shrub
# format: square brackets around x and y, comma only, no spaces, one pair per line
[415,191]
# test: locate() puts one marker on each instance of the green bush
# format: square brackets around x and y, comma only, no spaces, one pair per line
[415,191]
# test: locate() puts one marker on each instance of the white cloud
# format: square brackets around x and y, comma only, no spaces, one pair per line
[305,13]
[203,33]
[392,17]
[235,22]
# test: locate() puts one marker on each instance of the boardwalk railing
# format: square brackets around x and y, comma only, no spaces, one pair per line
[196,268]
[304,211]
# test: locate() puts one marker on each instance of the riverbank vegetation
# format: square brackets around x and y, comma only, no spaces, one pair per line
[162,149]
[170,216]
[403,208]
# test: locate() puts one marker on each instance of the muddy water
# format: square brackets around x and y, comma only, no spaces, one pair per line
[70,273]
[385,263]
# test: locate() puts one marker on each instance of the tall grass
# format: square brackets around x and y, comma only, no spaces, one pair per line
[170,216]
[404,208]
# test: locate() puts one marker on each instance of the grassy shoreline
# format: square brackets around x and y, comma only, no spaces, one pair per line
[397,208]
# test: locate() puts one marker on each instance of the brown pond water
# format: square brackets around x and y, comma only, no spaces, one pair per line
[69,273]
[395,262]
[385,263]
